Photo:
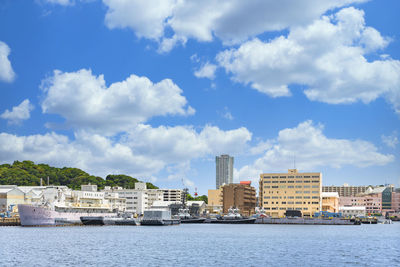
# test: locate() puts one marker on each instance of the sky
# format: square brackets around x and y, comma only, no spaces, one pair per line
[157,89]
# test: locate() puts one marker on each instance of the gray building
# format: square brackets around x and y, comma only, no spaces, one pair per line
[224,170]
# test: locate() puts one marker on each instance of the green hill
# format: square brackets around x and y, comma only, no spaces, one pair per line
[28,173]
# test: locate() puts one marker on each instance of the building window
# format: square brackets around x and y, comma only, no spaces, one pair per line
[290,186]
[306,181]
[298,186]
[290,182]
[306,186]
[275,187]
[298,197]
[299,202]
[283,182]
[315,192]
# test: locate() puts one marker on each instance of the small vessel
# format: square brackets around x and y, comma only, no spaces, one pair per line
[185,217]
[234,217]
[104,220]
[158,217]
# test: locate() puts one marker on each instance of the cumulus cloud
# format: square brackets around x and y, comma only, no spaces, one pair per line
[6,72]
[328,56]
[206,71]
[312,150]
[390,140]
[144,151]
[60,2]
[231,21]
[85,101]
[18,113]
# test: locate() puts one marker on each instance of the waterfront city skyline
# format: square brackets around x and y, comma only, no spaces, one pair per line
[157,91]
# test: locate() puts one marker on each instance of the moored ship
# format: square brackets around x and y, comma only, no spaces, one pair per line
[59,205]
[234,217]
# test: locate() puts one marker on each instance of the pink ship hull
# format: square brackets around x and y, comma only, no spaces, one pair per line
[39,216]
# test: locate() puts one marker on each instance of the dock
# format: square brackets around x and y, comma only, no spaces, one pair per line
[10,222]
[308,221]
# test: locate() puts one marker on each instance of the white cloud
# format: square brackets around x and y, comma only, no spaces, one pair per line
[328,56]
[6,72]
[206,71]
[390,140]
[85,101]
[144,151]
[60,2]
[18,113]
[312,150]
[231,21]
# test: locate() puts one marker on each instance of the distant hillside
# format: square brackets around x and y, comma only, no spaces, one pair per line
[28,173]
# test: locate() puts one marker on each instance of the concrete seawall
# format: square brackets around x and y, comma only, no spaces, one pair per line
[311,221]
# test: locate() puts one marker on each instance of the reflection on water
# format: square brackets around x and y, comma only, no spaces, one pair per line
[202,245]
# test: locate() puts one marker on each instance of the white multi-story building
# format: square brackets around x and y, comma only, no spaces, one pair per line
[139,199]
[224,170]
[172,195]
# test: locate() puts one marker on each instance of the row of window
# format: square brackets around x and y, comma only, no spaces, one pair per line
[291,182]
[291,202]
[291,176]
[291,186]
[297,192]
[291,197]
[276,208]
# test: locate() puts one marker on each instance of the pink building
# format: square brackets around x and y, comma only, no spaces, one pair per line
[396,201]
[372,203]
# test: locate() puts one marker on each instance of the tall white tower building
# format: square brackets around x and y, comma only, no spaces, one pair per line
[224,170]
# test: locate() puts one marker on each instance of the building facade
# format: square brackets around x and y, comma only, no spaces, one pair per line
[396,201]
[224,170]
[241,196]
[345,190]
[291,191]
[139,199]
[173,195]
[352,211]
[330,201]
[371,203]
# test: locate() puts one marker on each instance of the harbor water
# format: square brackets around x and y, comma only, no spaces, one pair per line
[202,245]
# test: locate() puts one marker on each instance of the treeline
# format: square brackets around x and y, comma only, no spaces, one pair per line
[27,173]
[199,198]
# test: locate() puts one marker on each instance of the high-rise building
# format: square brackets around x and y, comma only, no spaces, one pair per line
[224,170]
[280,192]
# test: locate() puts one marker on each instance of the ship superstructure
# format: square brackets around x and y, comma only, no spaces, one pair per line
[61,205]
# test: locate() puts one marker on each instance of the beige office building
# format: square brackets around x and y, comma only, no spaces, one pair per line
[291,191]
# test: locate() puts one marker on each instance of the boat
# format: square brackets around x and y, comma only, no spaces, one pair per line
[158,217]
[36,215]
[59,205]
[101,220]
[234,217]
[185,217]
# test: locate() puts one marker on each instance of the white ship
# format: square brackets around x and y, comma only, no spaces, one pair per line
[60,205]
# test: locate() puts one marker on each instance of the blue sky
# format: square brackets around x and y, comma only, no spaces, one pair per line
[157,89]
